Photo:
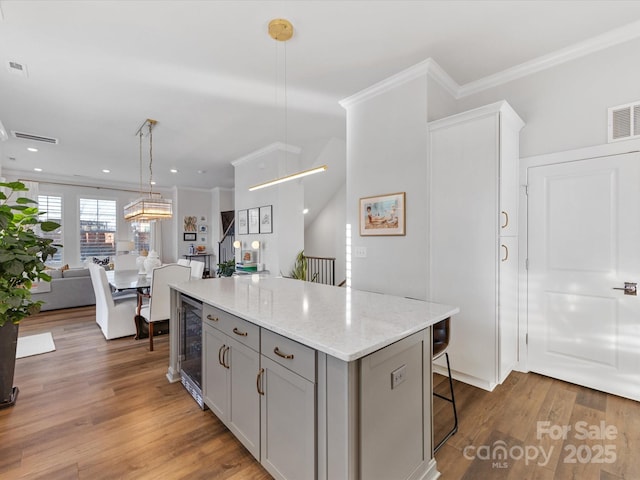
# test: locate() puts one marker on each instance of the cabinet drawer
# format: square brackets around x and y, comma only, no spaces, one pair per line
[290,354]
[244,332]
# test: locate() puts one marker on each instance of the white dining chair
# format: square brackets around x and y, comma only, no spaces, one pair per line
[158,307]
[114,319]
[197,269]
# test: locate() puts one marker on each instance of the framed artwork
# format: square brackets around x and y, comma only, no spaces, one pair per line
[243,222]
[189,237]
[203,228]
[266,220]
[190,223]
[383,214]
[254,220]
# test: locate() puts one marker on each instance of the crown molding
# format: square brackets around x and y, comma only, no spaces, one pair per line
[431,68]
[274,147]
[572,52]
[502,107]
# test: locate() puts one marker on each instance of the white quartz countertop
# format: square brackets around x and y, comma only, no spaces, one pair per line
[345,323]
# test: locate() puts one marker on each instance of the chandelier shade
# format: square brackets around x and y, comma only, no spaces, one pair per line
[145,209]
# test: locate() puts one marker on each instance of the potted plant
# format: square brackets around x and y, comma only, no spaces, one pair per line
[22,257]
[299,271]
[226,269]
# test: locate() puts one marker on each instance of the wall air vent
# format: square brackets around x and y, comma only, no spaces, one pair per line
[624,122]
[34,138]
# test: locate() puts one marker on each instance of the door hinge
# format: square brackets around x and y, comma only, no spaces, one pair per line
[526,338]
[526,190]
[526,264]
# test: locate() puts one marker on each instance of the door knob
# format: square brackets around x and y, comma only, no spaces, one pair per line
[629,288]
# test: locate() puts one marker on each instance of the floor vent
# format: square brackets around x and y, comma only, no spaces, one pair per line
[624,122]
[34,138]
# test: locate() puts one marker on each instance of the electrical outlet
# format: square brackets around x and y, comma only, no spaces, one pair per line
[398,376]
[360,252]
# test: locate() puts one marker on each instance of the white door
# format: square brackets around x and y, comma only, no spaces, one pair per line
[584,241]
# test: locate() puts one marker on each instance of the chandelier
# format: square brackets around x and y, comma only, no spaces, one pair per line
[153,206]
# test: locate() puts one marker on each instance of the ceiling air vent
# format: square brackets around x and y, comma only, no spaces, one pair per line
[34,138]
[624,122]
[17,68]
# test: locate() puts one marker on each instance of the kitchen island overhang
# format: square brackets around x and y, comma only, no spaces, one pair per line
[359,340]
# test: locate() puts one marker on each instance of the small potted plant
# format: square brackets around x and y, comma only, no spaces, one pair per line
[22,257]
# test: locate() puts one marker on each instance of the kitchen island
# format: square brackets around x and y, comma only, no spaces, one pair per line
[318,382]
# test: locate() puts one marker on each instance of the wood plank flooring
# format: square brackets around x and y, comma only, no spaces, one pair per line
[97,409]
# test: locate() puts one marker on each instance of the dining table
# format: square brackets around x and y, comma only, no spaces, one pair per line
[121,280]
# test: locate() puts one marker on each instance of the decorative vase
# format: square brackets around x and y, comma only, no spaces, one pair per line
[140,262]
[152,261]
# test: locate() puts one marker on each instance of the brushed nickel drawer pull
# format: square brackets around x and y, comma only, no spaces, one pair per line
[238,332]
[506,253]
[288,356]
[213,319]
[259,381]
[506,219]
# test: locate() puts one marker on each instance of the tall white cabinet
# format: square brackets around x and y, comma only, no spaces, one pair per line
[473,179]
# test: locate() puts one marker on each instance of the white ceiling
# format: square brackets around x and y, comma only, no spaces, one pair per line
[211,76]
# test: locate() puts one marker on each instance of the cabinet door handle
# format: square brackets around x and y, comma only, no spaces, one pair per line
[506,219]
[259,381]
[212,318]
[506,253]
[220,361]
[225,362]
[288,356]
[238,332]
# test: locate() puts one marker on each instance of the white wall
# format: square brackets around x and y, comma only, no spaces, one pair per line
[193,202]
[325,236]
[278,249]
[386,153]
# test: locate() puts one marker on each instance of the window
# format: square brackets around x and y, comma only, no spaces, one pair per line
[141,235]
[50,207]
[97,228]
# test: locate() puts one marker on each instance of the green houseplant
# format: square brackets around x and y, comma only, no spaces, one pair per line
[299,271]
[22,257]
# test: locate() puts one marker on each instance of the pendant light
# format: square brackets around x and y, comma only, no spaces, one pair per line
[153,206]
[281,30]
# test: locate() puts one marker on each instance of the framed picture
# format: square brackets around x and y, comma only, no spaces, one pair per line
[203,228]
[383,214]
[243,222]
[190,224]
[266,220]
[189,237]
[254,220]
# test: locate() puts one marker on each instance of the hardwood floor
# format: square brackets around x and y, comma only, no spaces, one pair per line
[97,409]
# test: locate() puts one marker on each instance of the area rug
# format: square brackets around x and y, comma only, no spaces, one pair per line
[35,345]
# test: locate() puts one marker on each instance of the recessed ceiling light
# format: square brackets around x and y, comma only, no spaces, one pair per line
[37,169]
[32,149]
[174,170]
[152,182]
[202,171]
[106,170]
[305,211]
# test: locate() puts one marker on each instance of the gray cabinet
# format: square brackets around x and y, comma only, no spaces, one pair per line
[230,370]
[287,423]
[287,407]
